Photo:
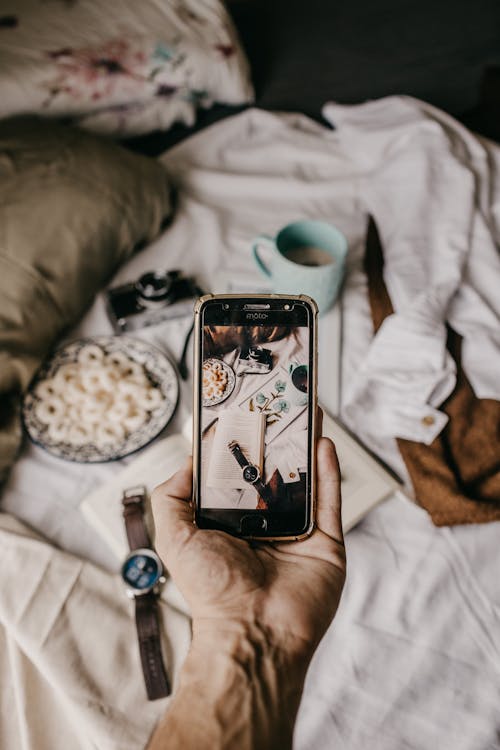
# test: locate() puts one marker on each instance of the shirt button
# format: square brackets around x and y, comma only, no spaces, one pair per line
[292,475]
[428,420]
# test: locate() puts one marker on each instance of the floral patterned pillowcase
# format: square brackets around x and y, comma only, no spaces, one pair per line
[124,67]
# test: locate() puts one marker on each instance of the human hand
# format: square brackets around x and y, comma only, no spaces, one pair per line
[283,593]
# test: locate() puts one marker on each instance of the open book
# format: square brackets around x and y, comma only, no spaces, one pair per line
[365,483]
[247,428]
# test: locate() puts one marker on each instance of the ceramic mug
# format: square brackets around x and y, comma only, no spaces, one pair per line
[306,257]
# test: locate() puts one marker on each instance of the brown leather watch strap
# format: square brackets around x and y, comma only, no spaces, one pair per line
[146,605]
[133,513]
[148,631]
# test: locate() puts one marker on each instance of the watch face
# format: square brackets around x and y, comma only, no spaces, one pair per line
[250,473]
[141,570]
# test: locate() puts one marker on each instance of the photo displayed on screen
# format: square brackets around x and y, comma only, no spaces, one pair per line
[254,417]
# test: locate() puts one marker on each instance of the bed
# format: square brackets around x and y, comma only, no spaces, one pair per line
[412,659]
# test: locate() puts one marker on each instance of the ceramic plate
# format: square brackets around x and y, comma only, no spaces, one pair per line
[160,371]
[208,365]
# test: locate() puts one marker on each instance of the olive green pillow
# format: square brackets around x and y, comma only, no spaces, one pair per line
[72,208]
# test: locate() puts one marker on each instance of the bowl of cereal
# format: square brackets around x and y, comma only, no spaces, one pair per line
[217,382]
[100,399]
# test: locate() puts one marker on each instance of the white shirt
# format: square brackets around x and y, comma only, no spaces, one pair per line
[434,192]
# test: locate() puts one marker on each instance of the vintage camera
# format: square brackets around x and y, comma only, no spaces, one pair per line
[255,360]
[156,296]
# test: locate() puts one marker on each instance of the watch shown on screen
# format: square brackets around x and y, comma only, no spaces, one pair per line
[251,472]
[142,572]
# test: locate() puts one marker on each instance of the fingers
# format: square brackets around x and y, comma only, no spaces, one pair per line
[328,512]
[172,511]
[180,484]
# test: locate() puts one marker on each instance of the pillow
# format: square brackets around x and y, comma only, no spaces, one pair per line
[124,67]
[72,208]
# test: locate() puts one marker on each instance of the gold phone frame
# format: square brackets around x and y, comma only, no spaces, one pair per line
[314,404]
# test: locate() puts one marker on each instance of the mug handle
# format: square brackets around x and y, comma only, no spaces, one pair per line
[266,240]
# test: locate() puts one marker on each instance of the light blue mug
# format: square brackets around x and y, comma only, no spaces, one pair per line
[306,257]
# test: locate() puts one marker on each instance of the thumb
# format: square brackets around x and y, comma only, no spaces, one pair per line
[328,490]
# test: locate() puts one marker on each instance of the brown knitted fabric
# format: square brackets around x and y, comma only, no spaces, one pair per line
[456,478]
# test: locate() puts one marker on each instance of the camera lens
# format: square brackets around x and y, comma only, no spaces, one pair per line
[153,286]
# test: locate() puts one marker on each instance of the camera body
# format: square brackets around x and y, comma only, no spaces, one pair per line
[155,296]
[255,359]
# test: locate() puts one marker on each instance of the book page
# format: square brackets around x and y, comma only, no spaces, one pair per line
[364,481]
[247,428]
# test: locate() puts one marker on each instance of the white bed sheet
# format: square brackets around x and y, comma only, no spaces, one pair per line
[412,659]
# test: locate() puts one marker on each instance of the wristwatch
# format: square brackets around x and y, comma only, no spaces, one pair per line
[251,472]
[142,572]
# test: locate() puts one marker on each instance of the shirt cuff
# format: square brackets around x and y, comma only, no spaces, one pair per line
[418,422]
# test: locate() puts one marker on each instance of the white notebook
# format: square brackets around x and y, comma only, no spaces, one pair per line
[247,428]
[365,483]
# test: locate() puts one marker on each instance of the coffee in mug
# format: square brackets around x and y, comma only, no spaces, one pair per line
[299,378]
[308,255]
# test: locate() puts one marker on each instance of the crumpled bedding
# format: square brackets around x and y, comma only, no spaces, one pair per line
[412,659]
[71,677]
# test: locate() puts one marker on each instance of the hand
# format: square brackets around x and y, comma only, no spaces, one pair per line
[286,592]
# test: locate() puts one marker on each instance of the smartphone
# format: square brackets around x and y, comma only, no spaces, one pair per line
[255,386]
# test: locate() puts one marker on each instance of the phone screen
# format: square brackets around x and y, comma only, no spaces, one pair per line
[255,404]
